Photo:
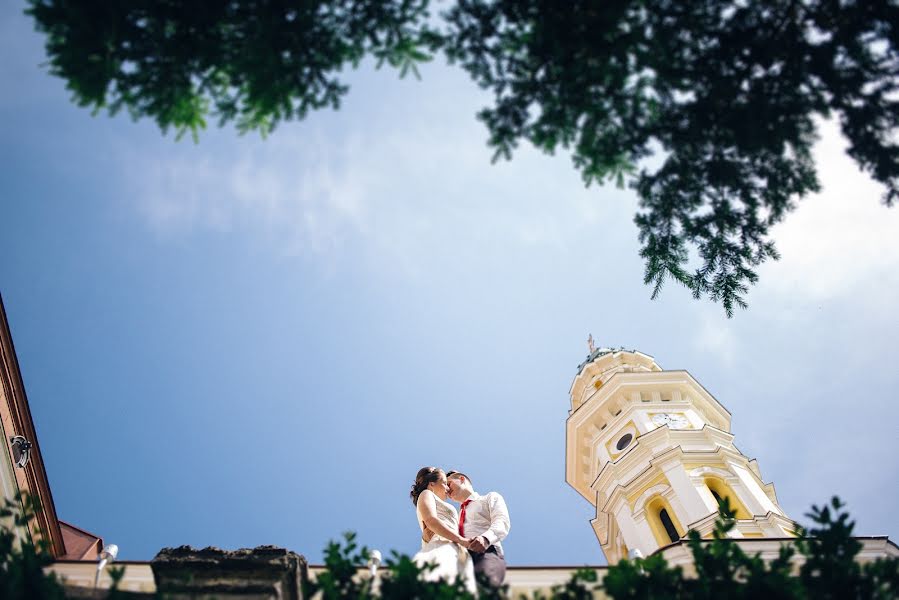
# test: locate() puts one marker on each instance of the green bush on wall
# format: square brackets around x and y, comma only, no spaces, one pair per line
[723,570]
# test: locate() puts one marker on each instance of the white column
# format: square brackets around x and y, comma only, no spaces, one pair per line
[706,494]
[752,495]
[637,534]
[643,422]
[687,502]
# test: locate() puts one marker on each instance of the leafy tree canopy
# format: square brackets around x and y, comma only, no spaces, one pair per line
[723,94]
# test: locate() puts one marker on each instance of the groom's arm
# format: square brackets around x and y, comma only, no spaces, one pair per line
[499,519]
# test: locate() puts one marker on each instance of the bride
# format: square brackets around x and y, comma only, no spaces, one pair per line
[441,544]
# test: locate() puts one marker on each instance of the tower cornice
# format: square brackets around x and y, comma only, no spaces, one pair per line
[654,467]
[620,484]
[646,450]
[620,381]
[614,403]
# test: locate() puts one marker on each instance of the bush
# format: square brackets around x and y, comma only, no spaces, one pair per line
[829,571]
[723,570]
[22,562]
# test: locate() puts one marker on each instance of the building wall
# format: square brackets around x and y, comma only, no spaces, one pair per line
[15,418]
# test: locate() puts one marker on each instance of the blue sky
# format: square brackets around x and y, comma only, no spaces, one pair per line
[244,342]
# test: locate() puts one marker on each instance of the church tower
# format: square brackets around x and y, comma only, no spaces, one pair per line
[653,452]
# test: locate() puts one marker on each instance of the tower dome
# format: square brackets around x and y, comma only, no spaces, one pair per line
[600,365]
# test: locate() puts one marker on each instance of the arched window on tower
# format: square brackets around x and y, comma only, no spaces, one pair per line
[670,529]
[663,521]
[721,491]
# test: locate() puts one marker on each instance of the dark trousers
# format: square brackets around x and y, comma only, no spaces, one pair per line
[490,565]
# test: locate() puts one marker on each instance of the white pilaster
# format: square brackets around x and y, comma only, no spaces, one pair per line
[753,496]
[686,496]
[636,532]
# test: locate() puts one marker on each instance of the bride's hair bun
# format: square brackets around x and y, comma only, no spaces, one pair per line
[425,477]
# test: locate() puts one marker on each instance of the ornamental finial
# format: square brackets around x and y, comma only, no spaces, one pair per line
[591,346]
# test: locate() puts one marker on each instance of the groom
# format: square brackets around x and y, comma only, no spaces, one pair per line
[485,520]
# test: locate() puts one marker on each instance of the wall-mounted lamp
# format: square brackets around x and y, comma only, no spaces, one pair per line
[21,450]
[107,555]
[635,554]
[374,561]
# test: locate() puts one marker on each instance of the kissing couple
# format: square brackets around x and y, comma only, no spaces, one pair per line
[464,544]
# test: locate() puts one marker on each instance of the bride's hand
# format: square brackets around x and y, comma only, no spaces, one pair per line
[464,542]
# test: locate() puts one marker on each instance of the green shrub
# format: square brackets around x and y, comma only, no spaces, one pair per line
[723,570]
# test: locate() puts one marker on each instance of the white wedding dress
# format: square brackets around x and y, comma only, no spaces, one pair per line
[451,559]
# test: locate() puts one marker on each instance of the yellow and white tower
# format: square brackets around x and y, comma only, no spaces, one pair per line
[653,452]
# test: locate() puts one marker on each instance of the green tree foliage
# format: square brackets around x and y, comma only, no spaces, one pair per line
[723,570]
[22,562]
[253,62]
[404,578]
[830,570]
[707,109]
[723,92]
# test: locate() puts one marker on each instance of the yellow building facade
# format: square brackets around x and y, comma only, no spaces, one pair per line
[653,451]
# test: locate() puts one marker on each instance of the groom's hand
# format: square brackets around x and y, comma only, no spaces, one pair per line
[479,544]
[426,535]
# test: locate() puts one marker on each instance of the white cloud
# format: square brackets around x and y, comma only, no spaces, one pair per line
[176,195]
[716,339]
[406,194]
[286,190]
[840,241]
[425,188]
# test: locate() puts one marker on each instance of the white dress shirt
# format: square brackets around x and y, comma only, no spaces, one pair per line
[487,516]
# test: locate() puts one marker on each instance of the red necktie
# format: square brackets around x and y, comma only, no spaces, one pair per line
[462,518]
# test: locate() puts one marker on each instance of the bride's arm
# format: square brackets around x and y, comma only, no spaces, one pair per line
[427,505]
